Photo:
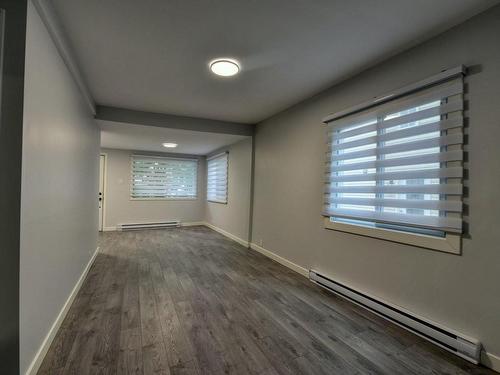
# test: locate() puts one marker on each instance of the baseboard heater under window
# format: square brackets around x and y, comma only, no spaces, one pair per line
[458,344]
[155,225]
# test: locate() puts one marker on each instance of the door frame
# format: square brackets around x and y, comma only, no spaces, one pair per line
[104,185]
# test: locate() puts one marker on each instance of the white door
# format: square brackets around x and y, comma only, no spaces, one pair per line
[102,166]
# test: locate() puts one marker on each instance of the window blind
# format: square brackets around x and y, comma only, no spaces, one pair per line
[217,173]
[162,177]
[400,163]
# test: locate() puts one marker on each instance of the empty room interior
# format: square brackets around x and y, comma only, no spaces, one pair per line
[249,187]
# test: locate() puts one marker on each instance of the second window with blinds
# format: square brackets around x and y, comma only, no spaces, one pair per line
[394,171]
[217,176]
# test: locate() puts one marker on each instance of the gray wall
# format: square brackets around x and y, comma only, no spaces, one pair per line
[11,132]
[461,292]
[119,208]
[59,188]
[234,216]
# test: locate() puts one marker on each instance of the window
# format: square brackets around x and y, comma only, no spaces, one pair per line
[156,177]
[217,178]
[397,167]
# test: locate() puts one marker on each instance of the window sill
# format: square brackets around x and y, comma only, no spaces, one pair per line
[451,243]
[220,202]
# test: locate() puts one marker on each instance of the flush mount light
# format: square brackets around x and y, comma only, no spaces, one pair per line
[225,67]
[169,145]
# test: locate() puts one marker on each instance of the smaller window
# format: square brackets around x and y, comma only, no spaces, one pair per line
[217,171]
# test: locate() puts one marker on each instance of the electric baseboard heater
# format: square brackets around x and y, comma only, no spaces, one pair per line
[156,225]
[454,342]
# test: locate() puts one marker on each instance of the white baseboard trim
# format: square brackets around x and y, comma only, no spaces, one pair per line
[44,348]
[490,360]
[109,229]
[227,234]
[294,267]
[192,223]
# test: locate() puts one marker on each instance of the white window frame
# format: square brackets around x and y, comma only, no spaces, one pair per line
[213,157]
[167,198]
[451,242]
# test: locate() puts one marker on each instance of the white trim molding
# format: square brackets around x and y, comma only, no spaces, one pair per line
[192,224]
[451,243]
[44,348]
[227,234]
[293,266]
[56,31]
[490,360]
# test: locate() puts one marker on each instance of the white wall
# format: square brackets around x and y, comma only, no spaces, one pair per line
[119,208]
[234,216]
[461,292]
[59,188]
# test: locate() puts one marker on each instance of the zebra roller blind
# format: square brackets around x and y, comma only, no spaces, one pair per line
[400,163]
[217,178]
[162,177]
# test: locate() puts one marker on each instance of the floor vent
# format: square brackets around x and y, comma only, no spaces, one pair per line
[156,225]
[454,342]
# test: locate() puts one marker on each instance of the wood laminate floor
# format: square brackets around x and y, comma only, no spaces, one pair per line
[190,301]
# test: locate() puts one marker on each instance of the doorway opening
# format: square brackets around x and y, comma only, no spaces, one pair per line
[102,187]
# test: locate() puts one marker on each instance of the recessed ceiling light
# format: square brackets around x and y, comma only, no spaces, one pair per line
[225,67]
[169,145]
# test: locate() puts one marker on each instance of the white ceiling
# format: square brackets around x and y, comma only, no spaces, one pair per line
[152,55]
[149,138]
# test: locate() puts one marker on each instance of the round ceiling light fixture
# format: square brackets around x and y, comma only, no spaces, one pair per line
[225,67]
[169,145]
